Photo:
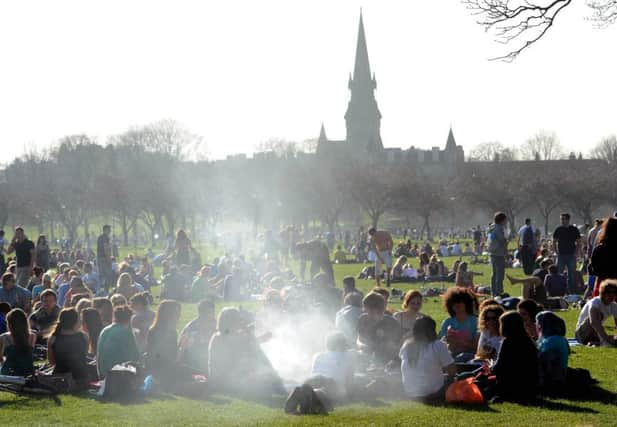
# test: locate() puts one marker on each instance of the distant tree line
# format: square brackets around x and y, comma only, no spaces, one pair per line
[150,178]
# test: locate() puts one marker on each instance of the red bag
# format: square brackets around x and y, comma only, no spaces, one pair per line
[464,391]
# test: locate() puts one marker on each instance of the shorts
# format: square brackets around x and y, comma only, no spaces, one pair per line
[386,256]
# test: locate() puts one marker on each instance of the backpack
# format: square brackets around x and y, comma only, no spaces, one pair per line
[122,381]
[528,240]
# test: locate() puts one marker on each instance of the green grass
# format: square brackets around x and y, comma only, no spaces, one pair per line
[220,410]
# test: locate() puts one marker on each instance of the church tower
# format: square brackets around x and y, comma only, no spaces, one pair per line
[363,118]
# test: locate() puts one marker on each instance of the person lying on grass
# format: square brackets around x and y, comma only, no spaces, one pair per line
[589,328]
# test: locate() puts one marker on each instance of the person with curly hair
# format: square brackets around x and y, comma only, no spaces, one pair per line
[460,330]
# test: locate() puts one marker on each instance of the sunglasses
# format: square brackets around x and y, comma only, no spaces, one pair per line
[490,317]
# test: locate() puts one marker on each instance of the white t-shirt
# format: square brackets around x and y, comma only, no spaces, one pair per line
[336,365]
[410,273]
[607,311]
[426,377]
[490,341]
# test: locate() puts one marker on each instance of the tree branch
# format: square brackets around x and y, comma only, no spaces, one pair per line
[521,25]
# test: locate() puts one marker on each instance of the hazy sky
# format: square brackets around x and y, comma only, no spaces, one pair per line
[240,72]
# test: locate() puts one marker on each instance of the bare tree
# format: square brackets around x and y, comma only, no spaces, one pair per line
[279,146]
[544,145]
[606,149]
[492,151]
[604,12]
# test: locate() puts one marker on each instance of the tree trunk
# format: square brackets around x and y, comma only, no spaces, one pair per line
[427,227]
[125,230]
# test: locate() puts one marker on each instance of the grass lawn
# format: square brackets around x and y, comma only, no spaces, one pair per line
[220,410]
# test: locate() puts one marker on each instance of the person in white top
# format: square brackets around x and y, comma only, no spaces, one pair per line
[333,370]
[490,339]
[589,328]
[424,360]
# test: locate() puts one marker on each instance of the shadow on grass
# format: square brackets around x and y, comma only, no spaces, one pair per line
[593,394]
[559,406]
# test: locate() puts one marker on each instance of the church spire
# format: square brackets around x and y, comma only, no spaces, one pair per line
[362,68]
[451,143]
[322,134]
[363,117]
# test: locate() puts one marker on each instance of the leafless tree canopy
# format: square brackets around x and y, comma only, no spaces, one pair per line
[521,23]
[604,12]
[606,149]
[544,145]
[491,151]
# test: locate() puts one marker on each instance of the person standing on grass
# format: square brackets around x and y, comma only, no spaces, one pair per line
[527,246]
[498,249]
[103,258]
[381,242]
[566,239]
[24,254]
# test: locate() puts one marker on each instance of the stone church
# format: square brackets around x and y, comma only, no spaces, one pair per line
[363,123]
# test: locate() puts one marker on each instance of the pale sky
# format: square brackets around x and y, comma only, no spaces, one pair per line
[240,72]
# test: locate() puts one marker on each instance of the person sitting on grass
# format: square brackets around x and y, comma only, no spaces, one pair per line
[196,335]
[340,257]
[43,319]
[553,351]
[589,328]
[236,363]
[333,370]
[556,284]
[528,309]
[67,347]
[490,339]
[91,325]
[105,309]
[16,345]
[347,317]
[379,335]
[460,330]
[516,368]
[412,304]
[116,342]
[127,287]
[46,283]
[397,269]
[5,307]
[162,345]
[464,277]
[77,287]
[424,360]
[349,286]
[142,319]
[533,287]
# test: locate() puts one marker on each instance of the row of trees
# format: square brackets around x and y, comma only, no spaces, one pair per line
[148,178]
[544,145]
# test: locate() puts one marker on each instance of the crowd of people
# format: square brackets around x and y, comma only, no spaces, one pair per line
[83,316]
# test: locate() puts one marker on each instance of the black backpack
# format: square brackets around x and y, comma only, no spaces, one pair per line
[528,240]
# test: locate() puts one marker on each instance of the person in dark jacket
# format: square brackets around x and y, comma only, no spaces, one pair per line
[603,257]
[516,368]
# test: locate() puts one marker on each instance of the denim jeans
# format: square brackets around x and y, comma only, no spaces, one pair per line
[568,262]
[499,269]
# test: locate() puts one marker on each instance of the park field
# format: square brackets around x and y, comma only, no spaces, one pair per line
[598,409]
